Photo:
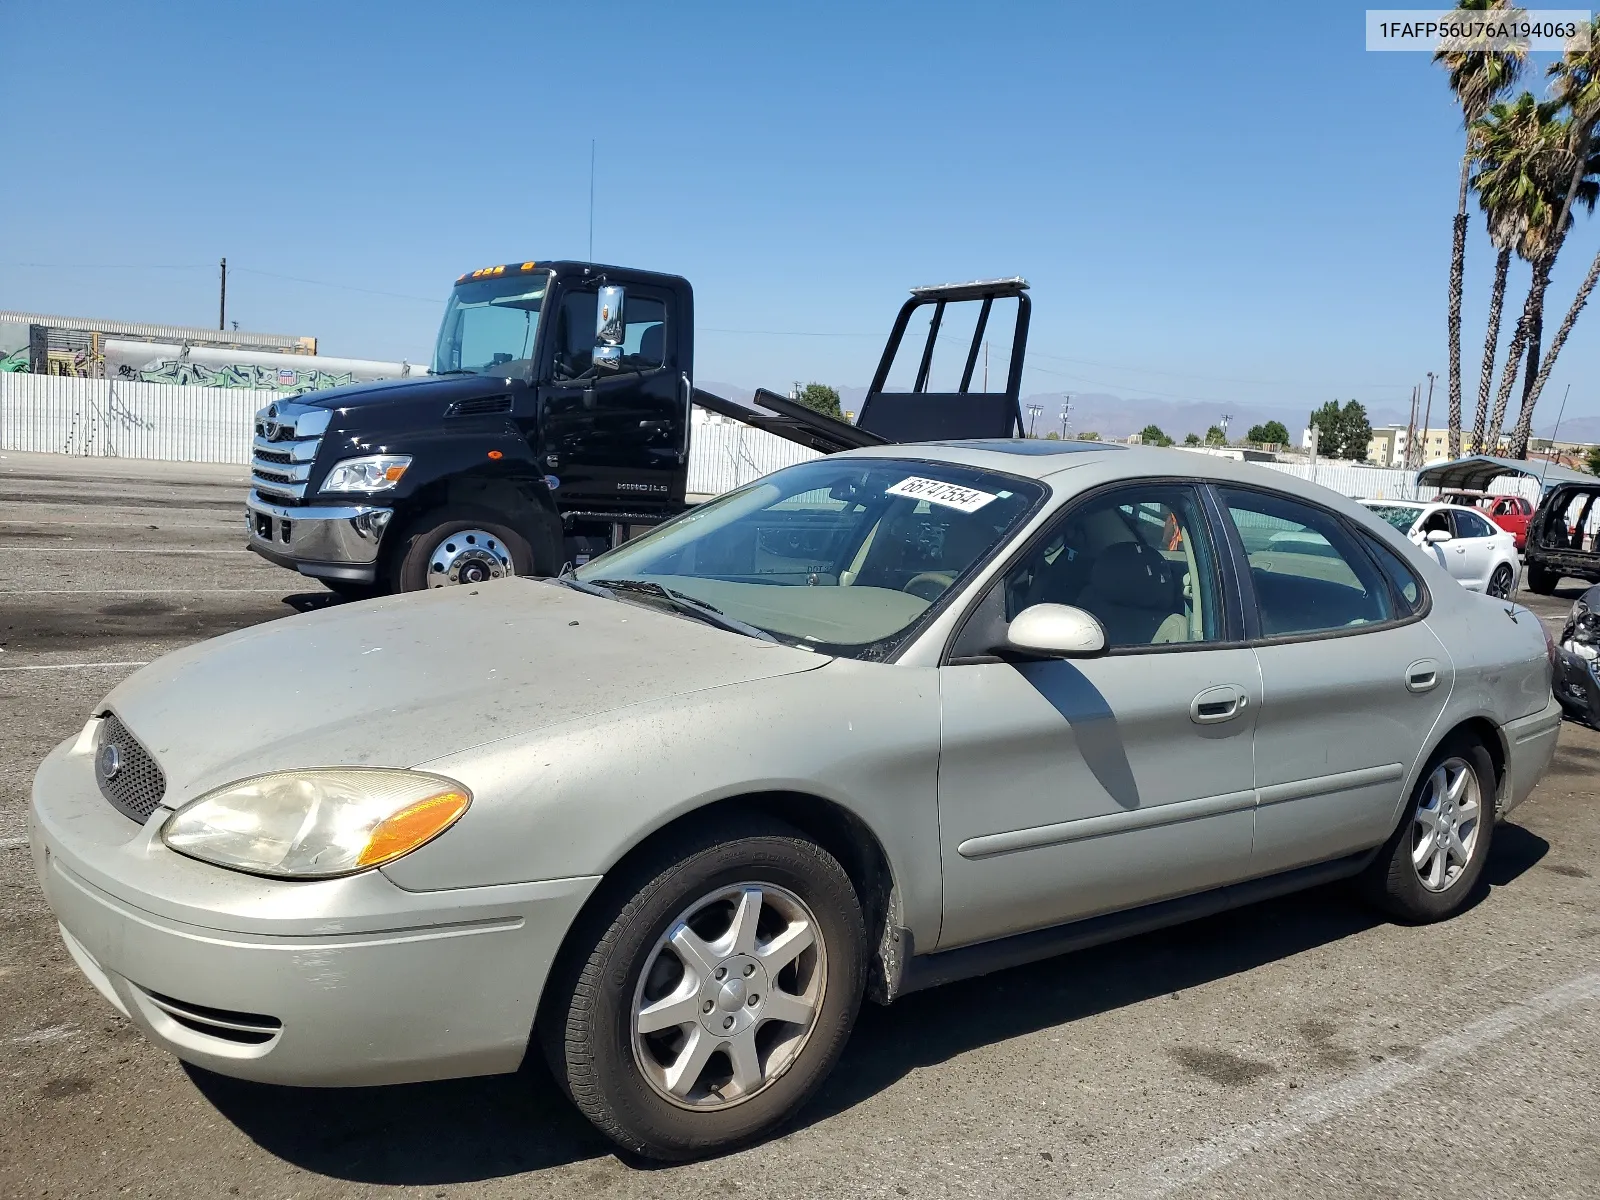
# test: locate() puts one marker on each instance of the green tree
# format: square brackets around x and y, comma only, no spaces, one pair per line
[1594,460]
[1355,429]
[1052,436]
[1215,436]
[1330,431]
[1577,88]
[1478,76]
[1191,439]
[820,398]
[1272,433]
[1151,435]
[1090,436]
[1525,151]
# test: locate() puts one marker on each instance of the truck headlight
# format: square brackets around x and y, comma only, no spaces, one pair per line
[372,473]
[316,823]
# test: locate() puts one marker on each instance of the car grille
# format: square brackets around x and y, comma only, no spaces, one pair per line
[137,785]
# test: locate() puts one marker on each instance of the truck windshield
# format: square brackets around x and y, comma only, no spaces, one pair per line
[489,326]
[839,555]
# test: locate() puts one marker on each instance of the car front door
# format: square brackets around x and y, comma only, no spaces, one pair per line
[614,436]
[1353,679]
[1074,787]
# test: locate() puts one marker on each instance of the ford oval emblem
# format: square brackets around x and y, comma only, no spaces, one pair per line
[110,761]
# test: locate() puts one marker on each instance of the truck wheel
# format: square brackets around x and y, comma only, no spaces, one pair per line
[459,545]
[1542,580]
[706,998]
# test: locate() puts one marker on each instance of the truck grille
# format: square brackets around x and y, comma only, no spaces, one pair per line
[127,774]
[287,438]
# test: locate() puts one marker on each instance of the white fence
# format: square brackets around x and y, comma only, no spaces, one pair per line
[111,418]
[116,419]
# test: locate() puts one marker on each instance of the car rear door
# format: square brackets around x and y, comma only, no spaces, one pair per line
[1353,680]
[1074,787]
[1473,547]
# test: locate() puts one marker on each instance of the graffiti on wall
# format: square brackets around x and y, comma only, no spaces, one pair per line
[17,361]
[288,381]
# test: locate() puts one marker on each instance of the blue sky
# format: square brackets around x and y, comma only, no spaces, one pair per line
[1241,204]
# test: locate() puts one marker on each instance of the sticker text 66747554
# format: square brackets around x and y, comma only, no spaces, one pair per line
[936,491]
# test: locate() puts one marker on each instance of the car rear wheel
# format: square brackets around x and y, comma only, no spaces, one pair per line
[1500,581]
[1429,866]
[459,545]
[712,995]
[1542,580]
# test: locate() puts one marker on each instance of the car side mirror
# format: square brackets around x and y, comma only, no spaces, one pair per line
[1056,631]
[1434,536]
[609,330]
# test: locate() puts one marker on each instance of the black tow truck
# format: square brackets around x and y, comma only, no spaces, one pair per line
[556,420]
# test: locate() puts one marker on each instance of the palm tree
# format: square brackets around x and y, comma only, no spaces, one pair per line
[1504,232]
[1577,90]
[1525,148]
[1477,77]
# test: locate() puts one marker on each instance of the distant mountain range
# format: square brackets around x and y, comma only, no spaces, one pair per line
[1115,417]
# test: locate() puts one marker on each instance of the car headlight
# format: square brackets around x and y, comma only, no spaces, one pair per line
[373,473]
[316,823]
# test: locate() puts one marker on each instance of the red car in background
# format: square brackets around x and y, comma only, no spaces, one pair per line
[1511,513]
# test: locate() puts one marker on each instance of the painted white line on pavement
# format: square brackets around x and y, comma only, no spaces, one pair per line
[134,591]
[1187,1167]
[75,666]
[51,1033]
[226,523]
[116,550]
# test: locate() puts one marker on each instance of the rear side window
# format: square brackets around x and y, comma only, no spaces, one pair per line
[1407,588]
[1471,525]
[1309,574]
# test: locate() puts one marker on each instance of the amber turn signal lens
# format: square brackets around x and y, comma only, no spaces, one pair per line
[394,473]
[496,454]
[411,827]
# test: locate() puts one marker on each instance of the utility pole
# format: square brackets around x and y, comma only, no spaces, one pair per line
[1226,417]
[1033,415]
[222,300]
[1427,419]
[1066,415]
[1411,428]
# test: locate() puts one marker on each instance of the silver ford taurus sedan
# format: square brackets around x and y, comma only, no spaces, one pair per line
[883,720]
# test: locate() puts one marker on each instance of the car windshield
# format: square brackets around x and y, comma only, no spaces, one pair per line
[489,326]
[842,556]
[1401,516]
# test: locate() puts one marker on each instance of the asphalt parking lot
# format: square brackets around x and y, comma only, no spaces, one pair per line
[1299,1047]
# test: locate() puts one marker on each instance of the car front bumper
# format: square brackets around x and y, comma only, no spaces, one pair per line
[328,542]
[337,982]
[1577,685]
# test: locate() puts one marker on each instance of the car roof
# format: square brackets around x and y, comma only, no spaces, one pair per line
[1397,503]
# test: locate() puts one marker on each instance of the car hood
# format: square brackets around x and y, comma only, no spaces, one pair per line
[403,680]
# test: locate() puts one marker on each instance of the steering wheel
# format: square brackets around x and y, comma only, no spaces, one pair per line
[941,580]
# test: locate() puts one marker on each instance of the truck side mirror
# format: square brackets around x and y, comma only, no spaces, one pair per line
[609,330]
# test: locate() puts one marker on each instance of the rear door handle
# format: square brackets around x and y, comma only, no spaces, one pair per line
[1216,704]
[1422,676]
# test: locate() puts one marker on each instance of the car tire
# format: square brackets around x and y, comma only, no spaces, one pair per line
[1419,875]
[1542,581]
[643,1089]
[1501,581]
[422,547]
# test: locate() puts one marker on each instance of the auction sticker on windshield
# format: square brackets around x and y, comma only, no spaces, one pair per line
[936,491]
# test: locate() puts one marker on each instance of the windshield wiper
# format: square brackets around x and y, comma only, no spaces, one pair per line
[456,371]
[679,602]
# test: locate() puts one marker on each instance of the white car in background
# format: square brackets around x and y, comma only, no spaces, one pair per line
[1480,555]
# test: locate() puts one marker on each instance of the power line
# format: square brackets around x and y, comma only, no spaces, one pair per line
[343,287]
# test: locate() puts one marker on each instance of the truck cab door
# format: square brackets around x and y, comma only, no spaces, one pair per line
[615,436]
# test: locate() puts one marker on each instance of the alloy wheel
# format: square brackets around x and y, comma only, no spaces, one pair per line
[729,996]
[1500,582]
[1445,825]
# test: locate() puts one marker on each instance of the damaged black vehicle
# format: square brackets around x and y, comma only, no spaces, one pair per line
[1577,669]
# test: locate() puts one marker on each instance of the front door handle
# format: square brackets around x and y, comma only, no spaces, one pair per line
[1216,704]
[1422,676]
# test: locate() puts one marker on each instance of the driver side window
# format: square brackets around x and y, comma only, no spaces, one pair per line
[1139,559]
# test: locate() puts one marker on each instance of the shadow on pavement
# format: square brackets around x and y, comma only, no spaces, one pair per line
[477,1129]
[457,1131]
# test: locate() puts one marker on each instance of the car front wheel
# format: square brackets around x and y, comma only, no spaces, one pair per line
[1427,869]
[710,998]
